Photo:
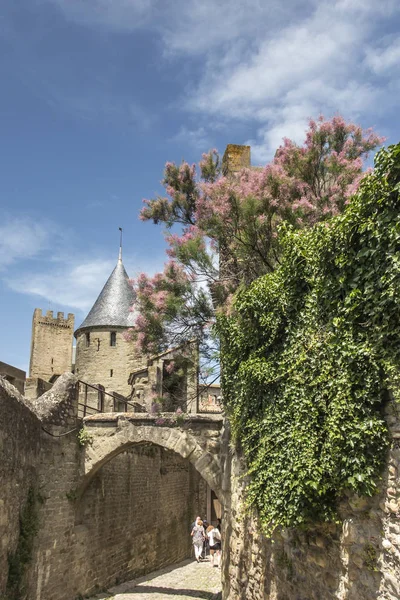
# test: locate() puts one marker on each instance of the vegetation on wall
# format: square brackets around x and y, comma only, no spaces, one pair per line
[308,354]
[19,560]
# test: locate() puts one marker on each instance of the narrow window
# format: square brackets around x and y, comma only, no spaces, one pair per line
[87,340]
[111,372]
[100,398]
[113,338]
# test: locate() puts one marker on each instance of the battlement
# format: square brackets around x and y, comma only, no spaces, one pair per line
[50,319]
[236,157]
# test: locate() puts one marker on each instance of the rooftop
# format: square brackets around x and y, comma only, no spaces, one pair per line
[113,306]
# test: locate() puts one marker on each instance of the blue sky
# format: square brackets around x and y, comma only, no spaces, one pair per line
[98,94]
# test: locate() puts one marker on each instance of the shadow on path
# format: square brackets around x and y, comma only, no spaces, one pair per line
[145,589]
[184,581]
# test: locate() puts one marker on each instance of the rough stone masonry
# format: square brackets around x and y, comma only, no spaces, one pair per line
[355,559]
[116,507]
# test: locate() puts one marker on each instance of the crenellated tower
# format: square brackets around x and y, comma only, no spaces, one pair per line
[51,344]
[236,157]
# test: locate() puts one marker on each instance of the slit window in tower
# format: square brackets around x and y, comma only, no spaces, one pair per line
[113,338]
[87,340]
[111,372]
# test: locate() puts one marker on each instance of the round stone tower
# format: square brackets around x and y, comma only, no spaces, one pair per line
[103,357]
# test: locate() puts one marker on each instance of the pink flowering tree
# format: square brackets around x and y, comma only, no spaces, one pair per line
[171,311]
[223,231]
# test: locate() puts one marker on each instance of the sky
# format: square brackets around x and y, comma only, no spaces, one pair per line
[97,95]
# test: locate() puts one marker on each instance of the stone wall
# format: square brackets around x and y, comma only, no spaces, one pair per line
[236,157]
[13,375]
[133,516]
[150,377]
[355,559]
[35,387]
[19,451]
[101,363]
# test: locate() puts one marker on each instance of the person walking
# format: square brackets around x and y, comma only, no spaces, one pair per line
[198,536]
[194,523]
[214,538]
[205,546]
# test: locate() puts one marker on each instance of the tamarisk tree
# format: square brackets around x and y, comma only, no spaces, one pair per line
[223,231]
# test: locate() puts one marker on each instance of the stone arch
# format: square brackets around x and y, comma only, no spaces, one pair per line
[108,444]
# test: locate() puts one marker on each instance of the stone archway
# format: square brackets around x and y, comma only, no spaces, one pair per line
[199,444]
[143,482]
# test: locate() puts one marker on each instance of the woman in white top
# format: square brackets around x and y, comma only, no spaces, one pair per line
[214,537]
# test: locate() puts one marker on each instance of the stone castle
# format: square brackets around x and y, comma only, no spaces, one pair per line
[111,372]
[102,358]
[112,375]
[81,513]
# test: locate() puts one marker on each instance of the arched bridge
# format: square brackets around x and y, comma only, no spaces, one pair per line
[196,438]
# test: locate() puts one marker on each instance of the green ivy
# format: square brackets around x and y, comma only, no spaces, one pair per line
[19,560]
[308,353]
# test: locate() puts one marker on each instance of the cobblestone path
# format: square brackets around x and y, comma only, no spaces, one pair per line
[184,581]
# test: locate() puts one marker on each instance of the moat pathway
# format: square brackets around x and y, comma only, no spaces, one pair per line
[184,581]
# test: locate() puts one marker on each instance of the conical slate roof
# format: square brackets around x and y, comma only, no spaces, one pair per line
[112,307]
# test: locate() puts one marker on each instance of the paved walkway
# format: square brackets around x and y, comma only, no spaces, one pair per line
[184,581]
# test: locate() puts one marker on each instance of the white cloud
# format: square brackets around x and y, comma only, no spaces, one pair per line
[189,26]
[267,62]
[315,65]
[115,14]
[200,26]
[22,238]
[383,60]
[75,283]
[67,284]
[199,138]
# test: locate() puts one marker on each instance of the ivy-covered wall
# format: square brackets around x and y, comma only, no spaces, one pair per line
[309,354]
[311,358]
[355,558]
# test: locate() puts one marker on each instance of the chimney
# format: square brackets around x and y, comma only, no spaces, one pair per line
[235,158]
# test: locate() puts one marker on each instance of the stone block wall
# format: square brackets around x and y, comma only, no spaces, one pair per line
[19,458]
[13,375]
[101,363]
[51,344]
[35,387]
[355,559]
[135,517]
[149,379]
[236,157]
